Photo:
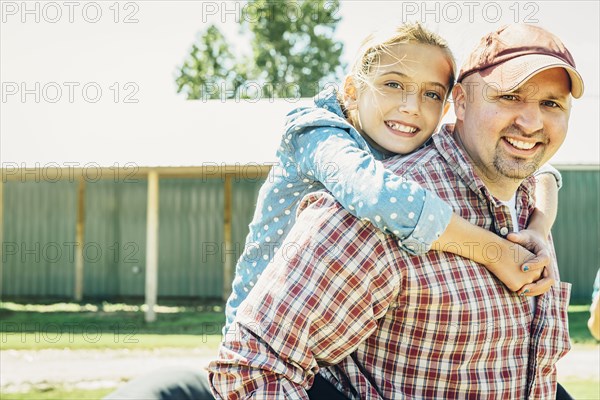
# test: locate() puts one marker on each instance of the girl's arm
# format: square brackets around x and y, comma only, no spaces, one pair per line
[418,217]
[344,165]
[501,257]
[469,241]
[535,237]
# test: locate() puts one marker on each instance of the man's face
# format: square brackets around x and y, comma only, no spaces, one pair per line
[510,135]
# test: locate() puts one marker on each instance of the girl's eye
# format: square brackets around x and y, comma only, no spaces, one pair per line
[395,85]
[433,95]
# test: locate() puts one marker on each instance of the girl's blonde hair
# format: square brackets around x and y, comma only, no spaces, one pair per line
[375,45]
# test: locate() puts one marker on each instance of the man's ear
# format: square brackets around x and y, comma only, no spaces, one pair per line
[459,96]
[350,93]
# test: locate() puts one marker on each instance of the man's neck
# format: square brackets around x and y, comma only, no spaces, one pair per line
[502,188]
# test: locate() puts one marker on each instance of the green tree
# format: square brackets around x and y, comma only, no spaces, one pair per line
[293,53]
[210,70]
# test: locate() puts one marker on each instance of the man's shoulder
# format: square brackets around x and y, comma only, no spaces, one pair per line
[418,164]
[322,200]
[321,211]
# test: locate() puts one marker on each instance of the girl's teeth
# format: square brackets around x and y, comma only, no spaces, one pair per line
[401,128]
[520,145]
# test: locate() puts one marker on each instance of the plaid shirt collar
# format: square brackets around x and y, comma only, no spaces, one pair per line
[460,163]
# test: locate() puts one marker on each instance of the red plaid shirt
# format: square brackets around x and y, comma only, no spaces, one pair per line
[343,299]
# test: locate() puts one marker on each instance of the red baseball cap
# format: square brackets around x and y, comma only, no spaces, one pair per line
[508,57]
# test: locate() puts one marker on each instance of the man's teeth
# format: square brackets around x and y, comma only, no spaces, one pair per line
[400,127]
[520,145]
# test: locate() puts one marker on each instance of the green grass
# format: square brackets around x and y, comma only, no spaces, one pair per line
[58,393]
[105,340]
[582,390]
[578,317]
[93,326]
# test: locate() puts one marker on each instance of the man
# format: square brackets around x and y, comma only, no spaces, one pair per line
[342,300]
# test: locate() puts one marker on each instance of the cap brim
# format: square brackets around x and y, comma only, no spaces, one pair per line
[511,74]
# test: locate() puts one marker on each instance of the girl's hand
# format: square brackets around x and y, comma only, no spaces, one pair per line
[543,260]
[508,266]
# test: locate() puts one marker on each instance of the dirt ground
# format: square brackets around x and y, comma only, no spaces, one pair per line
[21,370]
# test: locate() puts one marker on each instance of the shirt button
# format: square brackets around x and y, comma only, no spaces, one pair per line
[504,231]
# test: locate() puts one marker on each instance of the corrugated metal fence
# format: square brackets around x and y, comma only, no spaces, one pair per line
[39,235]
[38,238]
[576,232]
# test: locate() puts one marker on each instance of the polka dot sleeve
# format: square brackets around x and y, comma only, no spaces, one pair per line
[368,190]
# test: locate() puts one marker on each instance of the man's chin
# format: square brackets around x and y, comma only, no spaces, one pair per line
[516,170]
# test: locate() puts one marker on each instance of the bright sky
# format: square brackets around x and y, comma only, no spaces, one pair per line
[129,51]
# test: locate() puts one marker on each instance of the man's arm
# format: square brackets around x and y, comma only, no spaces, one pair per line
[546,203]
[535,237]
[320,297]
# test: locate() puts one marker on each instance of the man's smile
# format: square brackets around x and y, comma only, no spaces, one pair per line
[521,146]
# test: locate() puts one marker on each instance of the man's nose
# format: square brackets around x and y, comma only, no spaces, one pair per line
[529,119]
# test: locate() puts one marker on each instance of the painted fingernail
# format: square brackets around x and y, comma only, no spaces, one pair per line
[526,291]
[526,268]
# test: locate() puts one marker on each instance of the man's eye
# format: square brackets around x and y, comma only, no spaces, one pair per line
[550,103]
[510,97]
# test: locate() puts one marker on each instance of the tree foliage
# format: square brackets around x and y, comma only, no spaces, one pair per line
[210,69]
[293,53]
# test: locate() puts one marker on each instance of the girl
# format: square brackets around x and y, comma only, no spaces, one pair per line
[392,102]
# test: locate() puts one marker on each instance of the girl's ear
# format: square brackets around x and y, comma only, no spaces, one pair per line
[460,101]
[350,93]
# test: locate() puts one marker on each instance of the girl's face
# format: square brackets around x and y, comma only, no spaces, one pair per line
[403,102]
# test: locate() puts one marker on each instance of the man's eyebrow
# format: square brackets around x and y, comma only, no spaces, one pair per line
[558,97]
[402,75]
[549,96]
[518,90]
